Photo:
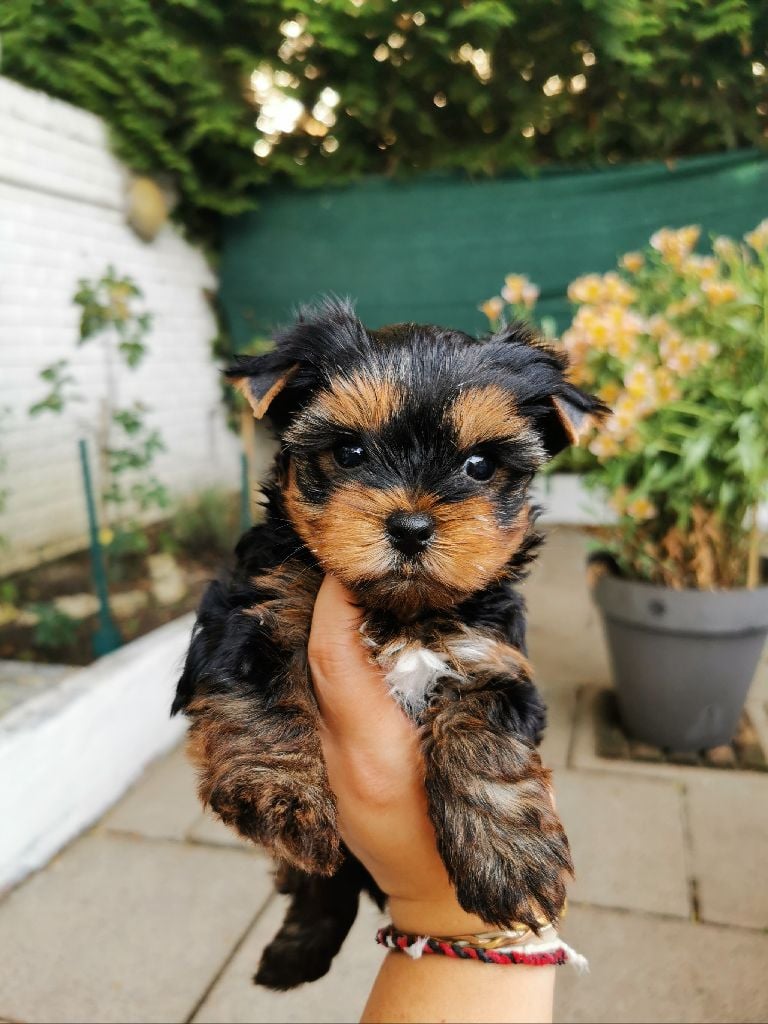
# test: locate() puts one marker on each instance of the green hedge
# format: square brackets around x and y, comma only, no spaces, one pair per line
[485,87]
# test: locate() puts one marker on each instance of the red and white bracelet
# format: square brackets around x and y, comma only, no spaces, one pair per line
[517,945]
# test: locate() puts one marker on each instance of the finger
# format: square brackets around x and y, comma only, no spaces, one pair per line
[351,692]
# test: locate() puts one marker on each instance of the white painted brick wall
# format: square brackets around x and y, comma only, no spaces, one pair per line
[62,218]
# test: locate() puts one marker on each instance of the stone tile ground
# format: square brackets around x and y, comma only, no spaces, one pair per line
[159,914]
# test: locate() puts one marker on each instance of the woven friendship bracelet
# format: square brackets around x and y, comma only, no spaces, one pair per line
[520,946]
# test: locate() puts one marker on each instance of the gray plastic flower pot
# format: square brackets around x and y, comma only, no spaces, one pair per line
[682,660]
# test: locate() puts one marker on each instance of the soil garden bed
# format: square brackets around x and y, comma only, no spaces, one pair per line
[19,639]
[49,614]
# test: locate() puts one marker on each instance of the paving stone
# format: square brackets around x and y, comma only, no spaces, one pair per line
[168,582]
[337,998]
[118,929]
[628,841]
[77,606]
[561,705]
[643,968]
[128,603]
[565,634]
[728,817]
[163,804]
[210,829]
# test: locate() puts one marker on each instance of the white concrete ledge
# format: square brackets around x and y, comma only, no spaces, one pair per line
[67,755]
[567,502]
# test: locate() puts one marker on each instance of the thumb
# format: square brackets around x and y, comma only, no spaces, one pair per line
[351,692]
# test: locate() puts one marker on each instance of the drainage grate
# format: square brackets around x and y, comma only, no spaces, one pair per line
[745,752]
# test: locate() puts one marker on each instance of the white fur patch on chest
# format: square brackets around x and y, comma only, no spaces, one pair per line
[413,675]
[412,672]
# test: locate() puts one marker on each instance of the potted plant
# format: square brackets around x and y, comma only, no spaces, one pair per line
[677,343]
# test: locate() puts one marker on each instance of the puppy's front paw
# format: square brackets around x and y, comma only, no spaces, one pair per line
[297,824]
[506,872]
[497,831]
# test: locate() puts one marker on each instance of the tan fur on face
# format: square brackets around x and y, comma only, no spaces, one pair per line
[470,545]
[469,549]
[484,414]
[360,402]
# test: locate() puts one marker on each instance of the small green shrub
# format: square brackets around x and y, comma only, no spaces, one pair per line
[54,630]
[112,316]
[204,527]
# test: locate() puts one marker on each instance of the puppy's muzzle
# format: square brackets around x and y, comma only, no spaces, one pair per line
[410,532]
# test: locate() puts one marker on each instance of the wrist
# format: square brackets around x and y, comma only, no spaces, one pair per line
[433,917]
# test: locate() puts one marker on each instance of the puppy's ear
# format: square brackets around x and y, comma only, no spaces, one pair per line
[259,381]
[305,352]
[567,417]
[561,413]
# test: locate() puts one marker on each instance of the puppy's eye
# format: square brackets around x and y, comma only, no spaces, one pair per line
[349,455]
[480,467]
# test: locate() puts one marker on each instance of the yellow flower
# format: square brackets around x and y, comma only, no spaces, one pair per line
[719,292]
[594,289]
[493,308]
[586,289]
[666,387]
[609,392]
[624,328]
[627,410]
[704,350]
[604,446]
[725,247]
[641,508]
[530,294]
[106,536]
[576,344]
[658,327]
[590,324]
[688,236]
[675,246]
[632,261]
[704,268]
[640,381]
[758,237]
[616,289]
[670,344]
[683,360]
[623,345]
[518,290]
[684,306]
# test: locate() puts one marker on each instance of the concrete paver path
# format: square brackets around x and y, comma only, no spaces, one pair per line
[159,914]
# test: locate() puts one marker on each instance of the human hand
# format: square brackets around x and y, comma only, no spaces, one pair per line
[375,770]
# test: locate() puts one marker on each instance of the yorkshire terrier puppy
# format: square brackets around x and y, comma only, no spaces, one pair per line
[405,458]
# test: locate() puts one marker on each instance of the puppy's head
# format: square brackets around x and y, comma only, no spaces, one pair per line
[407,452]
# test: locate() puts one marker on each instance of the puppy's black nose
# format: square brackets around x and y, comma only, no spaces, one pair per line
[409,532]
